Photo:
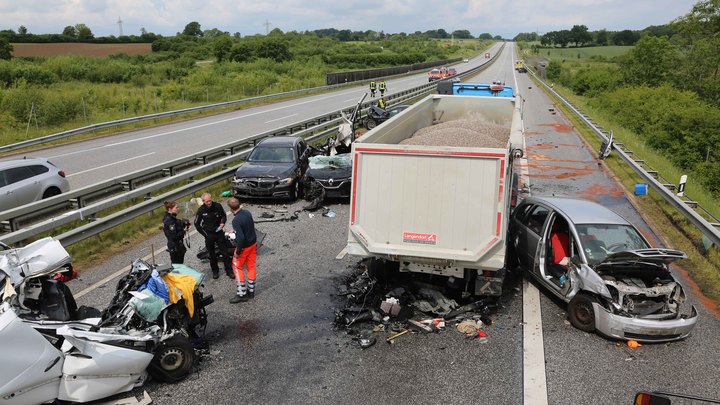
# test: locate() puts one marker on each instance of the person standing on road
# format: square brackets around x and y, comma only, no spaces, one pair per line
[175,229]
[382,88]
[372,89]
[245,251]
[209,221]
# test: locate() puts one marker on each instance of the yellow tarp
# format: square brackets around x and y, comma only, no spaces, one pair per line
[181,286]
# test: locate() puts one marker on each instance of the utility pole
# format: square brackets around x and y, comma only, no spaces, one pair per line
[267,26]
[119,23]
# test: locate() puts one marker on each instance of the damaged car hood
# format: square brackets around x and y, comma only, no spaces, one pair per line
[327,167]
[40,257]
[271,170]
[654,256]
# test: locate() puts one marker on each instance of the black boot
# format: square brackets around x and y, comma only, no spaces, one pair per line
[216,275]
[251,294]
[238,298]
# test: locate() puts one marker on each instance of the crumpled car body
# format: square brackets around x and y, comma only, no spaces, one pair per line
[333,173]
[51,349]
[612,280]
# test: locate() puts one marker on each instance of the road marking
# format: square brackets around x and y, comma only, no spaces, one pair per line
[279,119]
[534,378]
[110,164]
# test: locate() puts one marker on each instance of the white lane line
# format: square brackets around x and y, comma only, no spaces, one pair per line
[349,100]
[110,164]
[279,119]
[534,378]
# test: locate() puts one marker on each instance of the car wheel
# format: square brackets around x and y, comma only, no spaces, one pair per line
[370,124]
[51,192]
[581,312]
[173,360]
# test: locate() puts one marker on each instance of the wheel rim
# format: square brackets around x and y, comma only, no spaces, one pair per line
[171,359]
[584,313]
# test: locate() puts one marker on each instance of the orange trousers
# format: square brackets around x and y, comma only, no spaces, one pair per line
[247,258]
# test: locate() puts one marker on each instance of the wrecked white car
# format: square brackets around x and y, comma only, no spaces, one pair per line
[600,264]
[51,349]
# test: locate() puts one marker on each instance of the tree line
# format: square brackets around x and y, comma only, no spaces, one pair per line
[579,36]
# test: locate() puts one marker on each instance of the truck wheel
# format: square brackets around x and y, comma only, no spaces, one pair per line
[581,312]
[370,124]
[174,359]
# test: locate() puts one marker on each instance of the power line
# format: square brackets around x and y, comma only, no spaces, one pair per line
[267,26]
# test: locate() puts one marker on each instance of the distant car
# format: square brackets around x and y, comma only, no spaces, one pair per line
[23,181]
[377,115]
[614,282]
[334,173]
[273,169]
[522,69]
[466,60]
[451,72]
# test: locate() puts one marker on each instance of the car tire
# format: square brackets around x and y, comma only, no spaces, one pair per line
[51,192]
[370,124]
[581,312]
[174,359]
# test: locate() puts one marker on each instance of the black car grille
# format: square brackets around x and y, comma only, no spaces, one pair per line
[260,183]
[642,336]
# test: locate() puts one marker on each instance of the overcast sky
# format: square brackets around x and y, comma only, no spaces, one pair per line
[498,17]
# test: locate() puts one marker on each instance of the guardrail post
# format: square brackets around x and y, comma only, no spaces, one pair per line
[148,196]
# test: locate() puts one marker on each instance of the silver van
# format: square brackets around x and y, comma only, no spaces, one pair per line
[23,181]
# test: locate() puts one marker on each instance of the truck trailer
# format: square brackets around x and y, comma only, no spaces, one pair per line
[432,187]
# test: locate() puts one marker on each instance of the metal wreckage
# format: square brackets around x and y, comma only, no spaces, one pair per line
[380,301]
[51,349]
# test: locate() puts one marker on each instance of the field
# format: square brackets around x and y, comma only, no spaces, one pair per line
[79,49]
[607,52]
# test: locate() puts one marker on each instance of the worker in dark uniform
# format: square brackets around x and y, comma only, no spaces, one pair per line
[245,251]
[382,88]
[381,103]
[209,221]
[372,89]
[174,229]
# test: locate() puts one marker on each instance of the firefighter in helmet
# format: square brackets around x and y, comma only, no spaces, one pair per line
[373,87]
[382,88]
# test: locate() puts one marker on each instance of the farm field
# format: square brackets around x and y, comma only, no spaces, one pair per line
[80,49]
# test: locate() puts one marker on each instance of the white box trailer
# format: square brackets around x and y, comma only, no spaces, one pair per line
[438,209]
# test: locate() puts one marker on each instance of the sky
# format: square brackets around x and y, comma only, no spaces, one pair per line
[506,18]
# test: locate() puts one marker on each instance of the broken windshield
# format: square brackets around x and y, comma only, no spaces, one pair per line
[599,240]
[331,162]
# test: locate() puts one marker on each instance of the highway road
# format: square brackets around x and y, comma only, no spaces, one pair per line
[92,161]
[282,348]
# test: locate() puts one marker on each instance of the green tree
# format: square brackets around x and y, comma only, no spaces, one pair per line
[485,35]
[579,35]
[83,32]
[462,34]
[192,29]
[625,37]
[275,49]
[222,48]
[22,30]
[70,31]
[602,37]
[6,49]
[650,62]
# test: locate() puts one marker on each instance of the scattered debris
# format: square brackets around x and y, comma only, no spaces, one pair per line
[633,344]
[407,303]
[146,400]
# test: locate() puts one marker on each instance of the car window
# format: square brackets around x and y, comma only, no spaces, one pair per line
[536,219]
[16,174]
[521,212]
[599,240]
[38,169]
[281,154]
[3,183]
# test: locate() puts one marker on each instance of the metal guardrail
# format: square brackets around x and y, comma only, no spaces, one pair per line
[325,126]
[685,207]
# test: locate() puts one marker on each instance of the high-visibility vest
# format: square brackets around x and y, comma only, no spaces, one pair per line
[382,85]
[372,85]
[381,103]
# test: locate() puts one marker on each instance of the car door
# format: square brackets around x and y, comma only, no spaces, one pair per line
[21,186]
[530,235]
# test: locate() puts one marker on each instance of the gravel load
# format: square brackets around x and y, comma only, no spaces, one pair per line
[477,133]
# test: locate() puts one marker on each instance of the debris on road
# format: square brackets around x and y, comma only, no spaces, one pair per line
[407,303]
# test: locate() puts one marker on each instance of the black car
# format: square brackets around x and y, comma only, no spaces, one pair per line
[273,169]
[376,115]
[333,173]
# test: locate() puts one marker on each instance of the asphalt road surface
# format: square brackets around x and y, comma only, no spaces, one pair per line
[282,347]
